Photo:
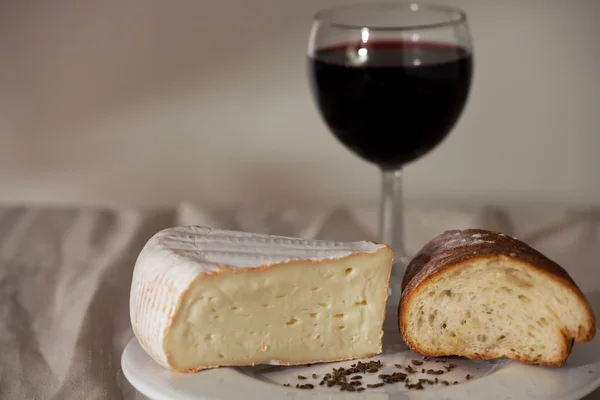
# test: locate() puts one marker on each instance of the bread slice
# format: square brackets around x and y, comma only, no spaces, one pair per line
[485,295]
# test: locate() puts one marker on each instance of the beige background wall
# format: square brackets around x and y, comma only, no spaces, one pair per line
[152,102]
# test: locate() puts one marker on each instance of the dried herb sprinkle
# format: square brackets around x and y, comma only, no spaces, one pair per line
[351,380]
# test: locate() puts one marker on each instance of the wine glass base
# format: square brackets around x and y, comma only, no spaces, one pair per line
[398,269]
[394,290]
[400,264]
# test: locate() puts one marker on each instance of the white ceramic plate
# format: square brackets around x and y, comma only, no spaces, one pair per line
[492,380]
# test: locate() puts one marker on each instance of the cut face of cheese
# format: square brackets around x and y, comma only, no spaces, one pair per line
[203,298]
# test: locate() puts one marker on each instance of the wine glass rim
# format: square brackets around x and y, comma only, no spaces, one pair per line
[458,16]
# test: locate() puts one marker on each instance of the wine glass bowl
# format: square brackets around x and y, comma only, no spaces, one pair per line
[390,81]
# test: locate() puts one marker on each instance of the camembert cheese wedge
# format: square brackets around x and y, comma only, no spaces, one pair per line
[203,298]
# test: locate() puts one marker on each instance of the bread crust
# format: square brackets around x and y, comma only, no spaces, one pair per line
[454,249]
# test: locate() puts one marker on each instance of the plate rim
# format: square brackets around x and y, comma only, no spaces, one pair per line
[157,391]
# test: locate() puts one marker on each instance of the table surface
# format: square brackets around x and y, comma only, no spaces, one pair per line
[65,275]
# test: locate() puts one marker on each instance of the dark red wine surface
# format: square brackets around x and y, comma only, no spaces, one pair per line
[392,101]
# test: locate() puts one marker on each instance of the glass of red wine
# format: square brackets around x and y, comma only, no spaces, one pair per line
[390,81]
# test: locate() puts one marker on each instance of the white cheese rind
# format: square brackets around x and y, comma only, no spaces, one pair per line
[175,258]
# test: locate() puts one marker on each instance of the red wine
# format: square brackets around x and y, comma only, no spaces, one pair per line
[391,101]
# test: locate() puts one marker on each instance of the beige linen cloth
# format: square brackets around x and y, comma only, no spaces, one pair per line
[65,275]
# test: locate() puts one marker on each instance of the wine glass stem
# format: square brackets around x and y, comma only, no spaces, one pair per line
[391,217]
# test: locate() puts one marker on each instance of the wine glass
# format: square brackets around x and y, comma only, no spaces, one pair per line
[390,81]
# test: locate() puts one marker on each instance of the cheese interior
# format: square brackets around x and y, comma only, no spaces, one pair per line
[294,313]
